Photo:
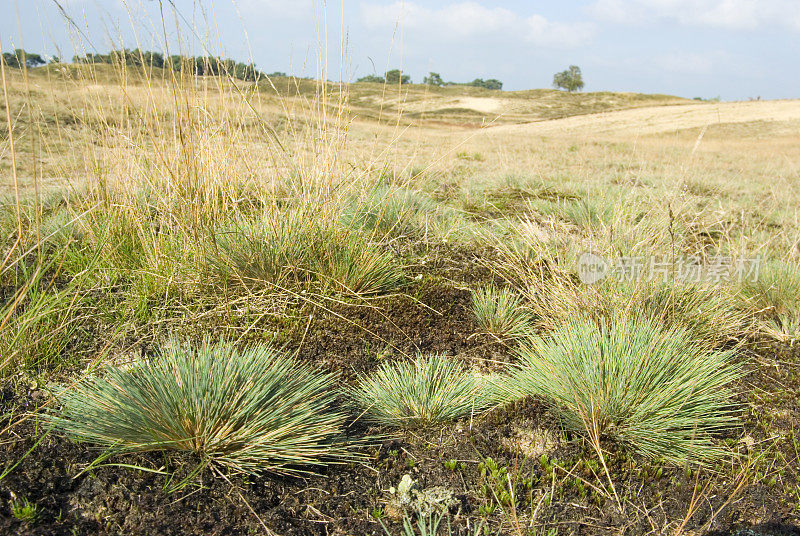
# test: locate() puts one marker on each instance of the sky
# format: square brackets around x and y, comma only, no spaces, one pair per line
[731,49]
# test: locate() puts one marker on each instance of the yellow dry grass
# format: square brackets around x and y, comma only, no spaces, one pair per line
[732,165]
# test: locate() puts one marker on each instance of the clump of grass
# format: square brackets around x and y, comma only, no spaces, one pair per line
[500,312]
[544,273]
[632,382]
[274,250]
[41,319]
[348,263]
[712,316]
[295,249]
[582,213]
[389,212]
[776,295]
[426,390]
[36,332]
[253,410]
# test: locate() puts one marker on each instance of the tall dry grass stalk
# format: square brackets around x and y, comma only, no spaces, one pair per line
[540,258]
[147,175]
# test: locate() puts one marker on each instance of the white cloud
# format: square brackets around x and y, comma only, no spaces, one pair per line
[469,19]
[277,8]
[619,11]
[685,63]
[566,35]
[731,14]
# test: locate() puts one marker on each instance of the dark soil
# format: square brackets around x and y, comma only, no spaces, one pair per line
[343,499]
[545,469]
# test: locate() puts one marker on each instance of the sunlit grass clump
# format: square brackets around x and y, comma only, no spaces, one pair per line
[634,383]
[294,249]
[542,263]
[426,390]
[776,296]
[713,315]
[249,410]
[500,312]
[386,212]
[582,213]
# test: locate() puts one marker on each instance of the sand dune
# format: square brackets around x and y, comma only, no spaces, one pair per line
[659,119]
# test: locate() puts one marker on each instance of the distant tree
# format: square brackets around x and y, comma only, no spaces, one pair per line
[10,59]
[433,79]
[227,67]
[92,58]
[491,83]
[396,76]
[119,57]
[32,60]
[55,59]
[176,62]
[19,57]
[198,65]
[372,78]
[246,71]
[571,79]
[156,59]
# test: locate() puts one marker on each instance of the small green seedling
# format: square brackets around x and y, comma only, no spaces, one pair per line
[24,510]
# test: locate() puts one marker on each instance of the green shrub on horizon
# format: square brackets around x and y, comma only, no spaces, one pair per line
[252,410]
[633,382]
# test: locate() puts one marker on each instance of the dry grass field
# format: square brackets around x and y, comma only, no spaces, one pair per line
[297,307]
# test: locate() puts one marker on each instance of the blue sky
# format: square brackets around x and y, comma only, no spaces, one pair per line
[734,49]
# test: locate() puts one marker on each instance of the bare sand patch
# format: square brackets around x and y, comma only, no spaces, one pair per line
[658,119]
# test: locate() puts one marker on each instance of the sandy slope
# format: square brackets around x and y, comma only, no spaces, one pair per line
[658,119]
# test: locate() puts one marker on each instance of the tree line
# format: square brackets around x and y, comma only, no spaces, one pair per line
[199,65]
[570,79]
[396,76]
[20,57]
